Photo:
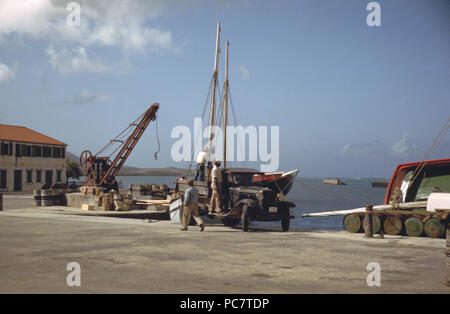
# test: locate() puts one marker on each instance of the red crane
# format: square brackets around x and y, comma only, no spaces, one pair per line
[101,171]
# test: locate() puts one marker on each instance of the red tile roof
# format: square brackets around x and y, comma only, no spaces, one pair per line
[22,134]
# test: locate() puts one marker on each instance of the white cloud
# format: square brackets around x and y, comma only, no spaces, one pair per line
[245,73]
[85,97]
[404,147]
[124,24]
[6,74]
[376,149]
[75,60]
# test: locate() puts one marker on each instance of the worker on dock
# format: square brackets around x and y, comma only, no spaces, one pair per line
[202,158]
[191,207]
[216,186]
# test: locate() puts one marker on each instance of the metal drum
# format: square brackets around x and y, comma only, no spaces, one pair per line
[37,198]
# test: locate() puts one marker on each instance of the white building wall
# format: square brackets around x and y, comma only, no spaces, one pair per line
[12,163]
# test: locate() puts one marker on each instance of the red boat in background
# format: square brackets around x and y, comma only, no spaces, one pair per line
[278,181]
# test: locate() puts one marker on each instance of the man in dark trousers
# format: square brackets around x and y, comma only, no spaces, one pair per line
[191,207]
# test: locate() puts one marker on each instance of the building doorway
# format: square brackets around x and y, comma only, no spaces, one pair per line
[17,180]
[48,178]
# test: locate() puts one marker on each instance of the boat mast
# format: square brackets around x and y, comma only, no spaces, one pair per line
[213,97]
[225,111]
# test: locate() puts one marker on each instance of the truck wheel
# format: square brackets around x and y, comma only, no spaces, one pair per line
[230,222]
[285,224]
[245,218]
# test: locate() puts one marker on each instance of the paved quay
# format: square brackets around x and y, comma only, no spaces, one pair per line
[119,255]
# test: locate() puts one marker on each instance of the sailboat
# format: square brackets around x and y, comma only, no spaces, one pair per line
[278,181]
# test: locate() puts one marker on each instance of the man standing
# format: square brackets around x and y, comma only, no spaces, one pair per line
[202,157]
[191,207]
[216,186]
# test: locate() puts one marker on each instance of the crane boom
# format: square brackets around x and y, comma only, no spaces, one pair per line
[101,171]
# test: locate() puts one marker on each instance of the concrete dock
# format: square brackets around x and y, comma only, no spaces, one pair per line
[140,256]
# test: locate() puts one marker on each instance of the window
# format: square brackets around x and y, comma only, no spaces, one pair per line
[18,150]
[36,151]
[63,155]
[58,175]
[26,150]
[4,149]
[56,152]
[3,179]
[29,176]
[38,176]
[46,151]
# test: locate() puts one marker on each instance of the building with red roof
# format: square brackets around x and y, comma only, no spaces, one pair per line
[29,159]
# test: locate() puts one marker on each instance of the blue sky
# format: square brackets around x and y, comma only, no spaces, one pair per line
[350,100]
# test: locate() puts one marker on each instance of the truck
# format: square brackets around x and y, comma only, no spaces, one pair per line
[243,199]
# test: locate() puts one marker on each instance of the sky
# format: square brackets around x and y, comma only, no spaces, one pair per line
[350,100]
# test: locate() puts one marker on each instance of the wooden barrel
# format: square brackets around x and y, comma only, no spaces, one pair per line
[435,228]
[413,227]
[393,225]
[47,197]
[352,223]
[376,221]
[37,198]
[57,196]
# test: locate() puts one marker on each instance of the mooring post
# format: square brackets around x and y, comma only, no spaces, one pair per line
[369,214]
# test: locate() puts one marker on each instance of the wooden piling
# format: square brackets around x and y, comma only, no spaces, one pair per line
[368,225]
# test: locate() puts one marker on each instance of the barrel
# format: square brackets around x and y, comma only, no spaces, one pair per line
[57,196]
[376,221]
[435,228]
[47,197]
[413,227]
[37,198]
[393,225]
[352,223]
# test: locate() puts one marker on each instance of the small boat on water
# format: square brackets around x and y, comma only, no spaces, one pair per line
[335,181]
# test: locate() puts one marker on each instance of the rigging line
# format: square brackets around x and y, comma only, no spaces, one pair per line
[430,151]
[112,141]
[235,124]
[157,138]
[205,106]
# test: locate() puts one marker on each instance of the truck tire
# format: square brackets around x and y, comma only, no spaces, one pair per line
[230,222]
[245,218]
[285,222]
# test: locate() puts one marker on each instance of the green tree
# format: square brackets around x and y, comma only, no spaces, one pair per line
[73,170]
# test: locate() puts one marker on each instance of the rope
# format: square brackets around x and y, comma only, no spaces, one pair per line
[430,152]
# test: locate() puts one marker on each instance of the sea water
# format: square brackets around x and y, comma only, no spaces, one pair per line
[309,195]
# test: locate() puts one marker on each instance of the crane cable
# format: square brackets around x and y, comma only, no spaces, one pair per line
[155,155]
[430,152]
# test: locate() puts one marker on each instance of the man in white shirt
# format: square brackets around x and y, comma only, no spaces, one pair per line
[202,158]
[216,186]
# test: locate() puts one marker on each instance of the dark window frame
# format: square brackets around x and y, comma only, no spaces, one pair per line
[28,176]
[3,179]
[38,176]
